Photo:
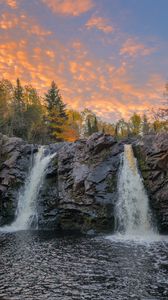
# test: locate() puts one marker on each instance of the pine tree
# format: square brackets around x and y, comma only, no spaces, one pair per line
[56,112]
[19,97]
[95,126]
[18,125]
[6,90]
[89,131]
[33,115]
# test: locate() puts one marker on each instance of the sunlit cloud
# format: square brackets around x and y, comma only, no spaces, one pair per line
[37,30]
[101,87]
[12,3]
[69,7]
[103,77]
[22,22]
[99,23]
[8,21]
[50,54]
[132,47]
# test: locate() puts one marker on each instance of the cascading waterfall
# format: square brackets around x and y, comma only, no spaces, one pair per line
[26,214]
[132,210]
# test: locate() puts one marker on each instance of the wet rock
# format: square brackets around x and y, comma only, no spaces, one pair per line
[83,187]
[80,187]
[98,142]
[152,155]
[15,159]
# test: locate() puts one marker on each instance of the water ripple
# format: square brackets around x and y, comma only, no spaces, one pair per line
[43,266]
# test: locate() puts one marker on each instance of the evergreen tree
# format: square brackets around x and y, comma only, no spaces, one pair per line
[54,100]
[95,126]
[18,125]
[89,127]
[56,112]
[19,98]
[33,115]
[6,90]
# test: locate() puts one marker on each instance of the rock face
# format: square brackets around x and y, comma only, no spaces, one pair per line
[83,177]
[15,161]
[152,155]
[80,187]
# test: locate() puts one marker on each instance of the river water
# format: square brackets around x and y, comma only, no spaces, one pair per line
[39,265]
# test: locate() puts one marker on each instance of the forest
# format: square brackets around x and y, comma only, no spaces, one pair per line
[46,118]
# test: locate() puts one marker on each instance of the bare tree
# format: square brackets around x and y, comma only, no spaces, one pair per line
[162,113]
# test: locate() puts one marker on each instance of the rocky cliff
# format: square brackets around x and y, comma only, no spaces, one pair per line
[152,155]
[83,177]
[80,188]
[15,161]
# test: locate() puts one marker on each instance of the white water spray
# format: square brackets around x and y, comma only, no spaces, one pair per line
[26,213]
[132,210]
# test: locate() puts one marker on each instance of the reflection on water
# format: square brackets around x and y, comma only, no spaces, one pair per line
[41,266]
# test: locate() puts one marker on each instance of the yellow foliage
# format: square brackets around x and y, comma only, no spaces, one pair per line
[67,129]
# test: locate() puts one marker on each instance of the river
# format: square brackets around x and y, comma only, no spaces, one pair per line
[40,265]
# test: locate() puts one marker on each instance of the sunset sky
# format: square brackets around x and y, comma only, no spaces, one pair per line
[107,55]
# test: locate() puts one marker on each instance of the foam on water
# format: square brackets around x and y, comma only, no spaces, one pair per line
[133,215]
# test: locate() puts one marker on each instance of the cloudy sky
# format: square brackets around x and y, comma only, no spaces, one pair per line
[107,55]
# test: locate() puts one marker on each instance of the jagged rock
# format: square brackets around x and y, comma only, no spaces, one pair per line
[80,187]
[12,143]
[98,142]
[152,155]
[15,161]
[86,180]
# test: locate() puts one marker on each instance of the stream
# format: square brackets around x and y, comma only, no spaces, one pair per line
[40,265]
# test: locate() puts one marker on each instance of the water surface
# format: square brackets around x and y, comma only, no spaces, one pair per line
[44,266]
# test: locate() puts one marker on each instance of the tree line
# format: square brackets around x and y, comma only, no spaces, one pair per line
[44,119]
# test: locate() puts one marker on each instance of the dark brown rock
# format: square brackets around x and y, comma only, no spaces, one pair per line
[86,183]
[14,167]
[152,155]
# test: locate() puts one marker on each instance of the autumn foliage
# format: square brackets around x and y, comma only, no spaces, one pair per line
[44,119]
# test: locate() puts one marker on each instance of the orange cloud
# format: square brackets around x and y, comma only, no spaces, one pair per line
[73,67]
[12,3]
[82,69]
[37,30]
[50,54]
[84,80]
[11,20]
[133,48]
[69,7]
[100,86]
[100,24]
[8,21]
[110,91]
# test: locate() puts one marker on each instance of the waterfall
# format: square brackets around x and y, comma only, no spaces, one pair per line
[132,210]
[26,213]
